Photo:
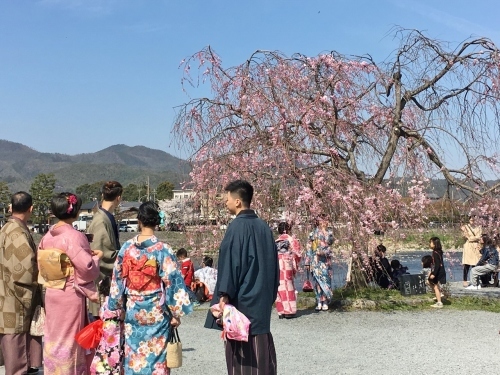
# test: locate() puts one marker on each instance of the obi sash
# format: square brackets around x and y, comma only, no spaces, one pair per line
[141,274]
[54,266]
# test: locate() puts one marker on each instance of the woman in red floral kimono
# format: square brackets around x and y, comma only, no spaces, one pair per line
[289,258]
[147,284]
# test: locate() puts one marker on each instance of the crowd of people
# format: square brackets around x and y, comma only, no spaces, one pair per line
[143,288]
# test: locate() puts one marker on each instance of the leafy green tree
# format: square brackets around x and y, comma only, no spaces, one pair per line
[4,197]
[42,190]
[130,193]
[165,190]
[90,192]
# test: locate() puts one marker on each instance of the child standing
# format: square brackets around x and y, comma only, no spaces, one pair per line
[187,271]
[438,272]
[187,267]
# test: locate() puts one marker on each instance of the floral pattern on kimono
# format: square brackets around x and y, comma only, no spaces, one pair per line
[319,257]
[108,359]
[146,280]
[288,259]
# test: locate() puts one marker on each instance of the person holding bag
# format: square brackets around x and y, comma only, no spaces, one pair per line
[68,281]
[148,285]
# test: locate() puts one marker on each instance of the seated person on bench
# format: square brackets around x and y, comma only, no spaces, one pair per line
[488,262]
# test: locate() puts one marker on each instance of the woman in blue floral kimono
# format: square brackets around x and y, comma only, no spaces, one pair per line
[319,262]
[147,279]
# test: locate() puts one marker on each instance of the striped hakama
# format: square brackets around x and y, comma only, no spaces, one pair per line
[255,357]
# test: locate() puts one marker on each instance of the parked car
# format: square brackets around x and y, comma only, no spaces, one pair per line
[82,222]
[125,228]
[132,223]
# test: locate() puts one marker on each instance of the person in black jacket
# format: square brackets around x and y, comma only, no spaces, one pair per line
[487,263]
[382,268]
[438,272]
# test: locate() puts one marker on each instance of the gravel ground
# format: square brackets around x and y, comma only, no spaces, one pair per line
[444,342]
[441,341]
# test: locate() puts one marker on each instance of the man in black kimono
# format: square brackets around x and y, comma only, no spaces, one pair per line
[247,278]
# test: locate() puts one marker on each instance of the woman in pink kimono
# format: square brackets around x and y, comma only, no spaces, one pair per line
[288,258]
[65,298]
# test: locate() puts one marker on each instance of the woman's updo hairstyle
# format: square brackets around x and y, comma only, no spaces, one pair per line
[65,206]
[284,227]
[149,214]
[111,190]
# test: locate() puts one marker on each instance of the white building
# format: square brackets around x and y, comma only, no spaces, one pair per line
[181,195]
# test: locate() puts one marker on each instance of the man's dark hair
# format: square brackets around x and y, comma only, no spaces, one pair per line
[395,265]
[111,190]
[487,240]
[182,253]
[242,189]
[148,214]
[381,248]
[427,261]
[21,202]
[65,205]
[207,261]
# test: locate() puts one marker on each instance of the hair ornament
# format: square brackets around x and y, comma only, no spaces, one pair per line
[71,201]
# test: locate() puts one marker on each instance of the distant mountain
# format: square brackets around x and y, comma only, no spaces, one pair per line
[19,164]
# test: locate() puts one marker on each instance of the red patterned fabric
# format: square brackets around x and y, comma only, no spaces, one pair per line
[141,274]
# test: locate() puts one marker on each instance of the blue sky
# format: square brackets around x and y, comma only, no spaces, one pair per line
[81,75]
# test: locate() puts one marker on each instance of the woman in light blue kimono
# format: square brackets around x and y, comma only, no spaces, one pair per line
[319,262]
[146,278]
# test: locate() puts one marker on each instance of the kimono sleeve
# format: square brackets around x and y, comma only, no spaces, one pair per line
[86,264]
[116,300]
[176,295]
[228,264]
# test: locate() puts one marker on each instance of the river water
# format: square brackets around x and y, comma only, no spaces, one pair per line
[410,259]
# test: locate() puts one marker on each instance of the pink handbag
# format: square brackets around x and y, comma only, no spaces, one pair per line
[236,325]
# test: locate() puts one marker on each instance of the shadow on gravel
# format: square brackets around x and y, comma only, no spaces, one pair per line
[306,312]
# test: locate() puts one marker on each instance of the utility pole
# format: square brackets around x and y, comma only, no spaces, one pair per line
[147,189]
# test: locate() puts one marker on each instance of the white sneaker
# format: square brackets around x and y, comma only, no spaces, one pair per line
[435,299]
[438,305]
[324,307]
[475,287]
[318,308]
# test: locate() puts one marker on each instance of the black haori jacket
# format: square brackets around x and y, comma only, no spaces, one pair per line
[248,271]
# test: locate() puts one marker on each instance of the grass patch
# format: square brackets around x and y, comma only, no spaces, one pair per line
[352,299]
[491,304]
